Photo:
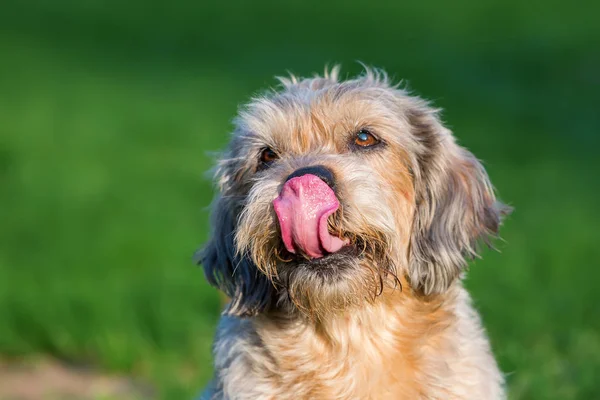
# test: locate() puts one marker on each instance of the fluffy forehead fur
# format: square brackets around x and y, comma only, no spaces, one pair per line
[414,206]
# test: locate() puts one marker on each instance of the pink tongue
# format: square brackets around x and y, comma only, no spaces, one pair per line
[303,206]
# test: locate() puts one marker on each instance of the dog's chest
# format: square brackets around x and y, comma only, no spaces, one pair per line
[379,354]
[351,374]
[360,364]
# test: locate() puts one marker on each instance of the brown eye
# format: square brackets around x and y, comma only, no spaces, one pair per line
[364,138]
[267,156]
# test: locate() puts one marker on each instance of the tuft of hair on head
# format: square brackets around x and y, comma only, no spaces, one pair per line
[330,77]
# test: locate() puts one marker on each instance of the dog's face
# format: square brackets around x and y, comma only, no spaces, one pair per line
[331,191]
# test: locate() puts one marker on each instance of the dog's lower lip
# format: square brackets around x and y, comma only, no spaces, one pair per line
[347,250]
[343,251]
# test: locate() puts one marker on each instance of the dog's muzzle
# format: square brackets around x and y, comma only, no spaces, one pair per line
[305,203]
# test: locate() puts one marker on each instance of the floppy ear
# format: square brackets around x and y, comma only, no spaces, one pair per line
[455,207]
[234,274]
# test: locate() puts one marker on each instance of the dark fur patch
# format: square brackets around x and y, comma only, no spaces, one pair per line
[249,289]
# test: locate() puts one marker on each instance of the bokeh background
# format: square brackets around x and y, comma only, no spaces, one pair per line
[109,111]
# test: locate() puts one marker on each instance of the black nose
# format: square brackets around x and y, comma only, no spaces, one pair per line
[318,170]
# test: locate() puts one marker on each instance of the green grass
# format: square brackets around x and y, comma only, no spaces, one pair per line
[108,111]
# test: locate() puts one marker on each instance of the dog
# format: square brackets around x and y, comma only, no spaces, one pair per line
[345,216]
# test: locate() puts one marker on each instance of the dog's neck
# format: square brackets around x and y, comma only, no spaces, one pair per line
[394,309]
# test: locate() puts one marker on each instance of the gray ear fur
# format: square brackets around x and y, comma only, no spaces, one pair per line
[456,207]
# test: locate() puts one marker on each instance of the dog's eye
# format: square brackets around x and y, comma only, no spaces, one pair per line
[364,138]
[267,156]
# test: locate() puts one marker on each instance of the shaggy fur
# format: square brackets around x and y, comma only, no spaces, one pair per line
[385,318]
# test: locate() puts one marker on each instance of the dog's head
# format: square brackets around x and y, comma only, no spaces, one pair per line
[332,190]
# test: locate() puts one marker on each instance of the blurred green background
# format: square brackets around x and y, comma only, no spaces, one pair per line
[109,109]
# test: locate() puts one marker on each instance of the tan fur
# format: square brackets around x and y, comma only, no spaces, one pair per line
[393,321]
[354,366]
